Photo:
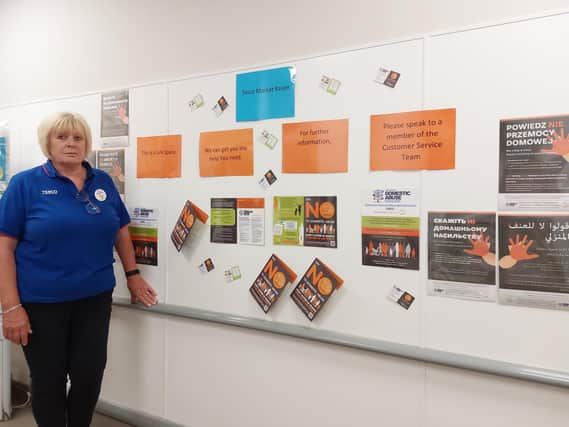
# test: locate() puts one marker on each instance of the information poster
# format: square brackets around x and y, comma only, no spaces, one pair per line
[413,141]
[534,164]
[143,231]
[390,228]
[305,221]
[315,147]
[114,119]
[112,162]
[271,281]
[159,157]
[186,223]
[226,153]
[534,260]
[462,255]
[266,94]
[315,288]
[239,221]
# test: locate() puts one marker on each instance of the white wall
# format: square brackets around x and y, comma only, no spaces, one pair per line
[64,47]
[201,374]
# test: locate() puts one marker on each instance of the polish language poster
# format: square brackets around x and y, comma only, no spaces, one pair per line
[305,221]
[114,119]
[265,94]
[226,153]
[315,288]
[534,260]
[315,147]
[462,255]
[390,228]
[143,229]
[413,140]
[238,220]
[534,164]
[271,281]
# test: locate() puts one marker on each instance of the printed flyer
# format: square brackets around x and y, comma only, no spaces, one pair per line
[185,224]
[114,119]
[239,221]
[315,288]
[143,230]
[462,255]
[112,162]
[390,228]
[266,94]
[534,260]
[305,221]
[534,164]
[271,281]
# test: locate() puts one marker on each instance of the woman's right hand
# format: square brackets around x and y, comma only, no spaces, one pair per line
[16,326]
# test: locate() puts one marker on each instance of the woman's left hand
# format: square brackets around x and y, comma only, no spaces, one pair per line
[141,291]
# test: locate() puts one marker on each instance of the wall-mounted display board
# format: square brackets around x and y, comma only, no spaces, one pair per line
[474,79]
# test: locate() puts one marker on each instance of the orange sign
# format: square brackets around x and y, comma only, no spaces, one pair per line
[413,141]
[226,153]
[159,156]
[315,147]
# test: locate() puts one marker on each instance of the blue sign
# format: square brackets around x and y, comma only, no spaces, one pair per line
[267,94]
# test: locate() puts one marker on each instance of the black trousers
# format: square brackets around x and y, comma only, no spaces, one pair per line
[68,339]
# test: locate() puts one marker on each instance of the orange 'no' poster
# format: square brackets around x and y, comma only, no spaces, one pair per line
[413,141]
[159,156]
[226,153]
[315,147]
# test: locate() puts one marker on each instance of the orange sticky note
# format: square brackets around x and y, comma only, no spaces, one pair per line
[159,156]
[226,153]
[315,147]
[413,141]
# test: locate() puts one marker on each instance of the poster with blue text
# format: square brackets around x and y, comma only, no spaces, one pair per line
[266,94]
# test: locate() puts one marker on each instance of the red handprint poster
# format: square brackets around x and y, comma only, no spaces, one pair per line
[534,164]
[462,255]
[534,260]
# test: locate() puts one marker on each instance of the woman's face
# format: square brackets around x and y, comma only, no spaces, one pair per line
[67,147]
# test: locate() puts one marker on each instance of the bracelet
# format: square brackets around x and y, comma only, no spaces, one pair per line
[131,272]
[11,309]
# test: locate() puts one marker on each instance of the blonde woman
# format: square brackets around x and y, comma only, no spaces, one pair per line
[58,224]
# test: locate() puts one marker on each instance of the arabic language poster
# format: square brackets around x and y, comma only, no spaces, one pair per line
[534,260]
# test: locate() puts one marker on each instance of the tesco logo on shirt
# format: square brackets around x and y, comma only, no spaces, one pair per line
[49,192]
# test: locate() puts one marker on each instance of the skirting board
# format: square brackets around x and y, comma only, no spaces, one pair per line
[135,418]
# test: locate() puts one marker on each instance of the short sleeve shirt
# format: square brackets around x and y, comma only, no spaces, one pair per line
[65,237]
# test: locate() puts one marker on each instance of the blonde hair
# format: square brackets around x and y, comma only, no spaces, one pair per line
[63,122]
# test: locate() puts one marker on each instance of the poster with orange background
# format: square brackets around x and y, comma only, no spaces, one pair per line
[315,147]
[413,141]
[226,153]
[159,156]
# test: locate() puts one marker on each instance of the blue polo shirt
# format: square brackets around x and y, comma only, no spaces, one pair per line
[65,240]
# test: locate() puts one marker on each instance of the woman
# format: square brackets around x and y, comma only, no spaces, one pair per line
[58,225]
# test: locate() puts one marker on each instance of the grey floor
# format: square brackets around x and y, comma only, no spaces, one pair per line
[24,418]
